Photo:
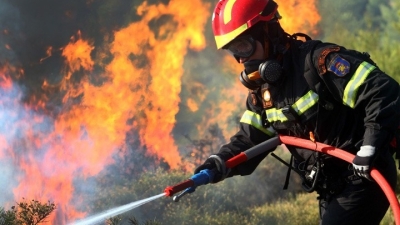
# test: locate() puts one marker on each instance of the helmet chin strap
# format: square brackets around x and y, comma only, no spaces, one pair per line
[266,42]
[274,41]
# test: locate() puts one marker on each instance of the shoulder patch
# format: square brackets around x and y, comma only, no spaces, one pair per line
[339,66]
[322,56]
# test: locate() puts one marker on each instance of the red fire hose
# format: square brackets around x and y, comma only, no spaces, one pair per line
[348,157]
[204,176]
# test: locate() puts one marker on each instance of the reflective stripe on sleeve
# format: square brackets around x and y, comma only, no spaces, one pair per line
[350,92]
[305,102]
[300,106]
[255,120]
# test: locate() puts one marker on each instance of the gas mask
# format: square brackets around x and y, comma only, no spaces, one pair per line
[259,72]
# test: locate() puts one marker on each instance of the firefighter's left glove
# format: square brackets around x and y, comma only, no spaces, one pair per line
[215,163]
[362,163]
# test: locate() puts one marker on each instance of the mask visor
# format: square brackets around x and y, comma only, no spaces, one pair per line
[242,47]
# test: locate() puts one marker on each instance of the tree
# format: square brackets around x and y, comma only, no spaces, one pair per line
[26,213]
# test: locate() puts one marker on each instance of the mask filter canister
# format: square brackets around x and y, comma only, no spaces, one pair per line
[270,71]
[258,72]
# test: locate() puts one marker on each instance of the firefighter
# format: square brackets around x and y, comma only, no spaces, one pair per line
[302,87]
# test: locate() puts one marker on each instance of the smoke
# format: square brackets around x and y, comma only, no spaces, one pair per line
[9,118]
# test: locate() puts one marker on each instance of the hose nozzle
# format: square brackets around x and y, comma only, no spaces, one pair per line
[183,193]
[201,178]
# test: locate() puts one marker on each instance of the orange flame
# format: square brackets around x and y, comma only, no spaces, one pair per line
[299,16]
[5,80]
[85,135]
[162,76]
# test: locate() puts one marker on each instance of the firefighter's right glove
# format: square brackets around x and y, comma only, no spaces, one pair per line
[362,163]
[215,163]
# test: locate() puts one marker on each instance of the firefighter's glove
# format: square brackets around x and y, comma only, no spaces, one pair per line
[362,163]
[215,163]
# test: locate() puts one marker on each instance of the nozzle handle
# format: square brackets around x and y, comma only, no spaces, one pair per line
[171,190]
[183,193]
[203,177]
[206,176]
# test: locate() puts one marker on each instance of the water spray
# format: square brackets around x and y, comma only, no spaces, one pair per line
[115,211]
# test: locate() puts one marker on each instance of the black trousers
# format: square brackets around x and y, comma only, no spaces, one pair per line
[360,203]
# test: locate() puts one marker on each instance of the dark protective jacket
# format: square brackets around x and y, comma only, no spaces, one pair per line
[353,103]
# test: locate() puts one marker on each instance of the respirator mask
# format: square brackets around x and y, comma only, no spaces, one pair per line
[257,72]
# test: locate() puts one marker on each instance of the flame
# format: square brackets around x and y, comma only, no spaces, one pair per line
[93,121]
[163,76]
[77,54]
[5,80]
[48,53]
[299,16]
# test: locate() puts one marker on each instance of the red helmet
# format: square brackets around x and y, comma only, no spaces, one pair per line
[233,17]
